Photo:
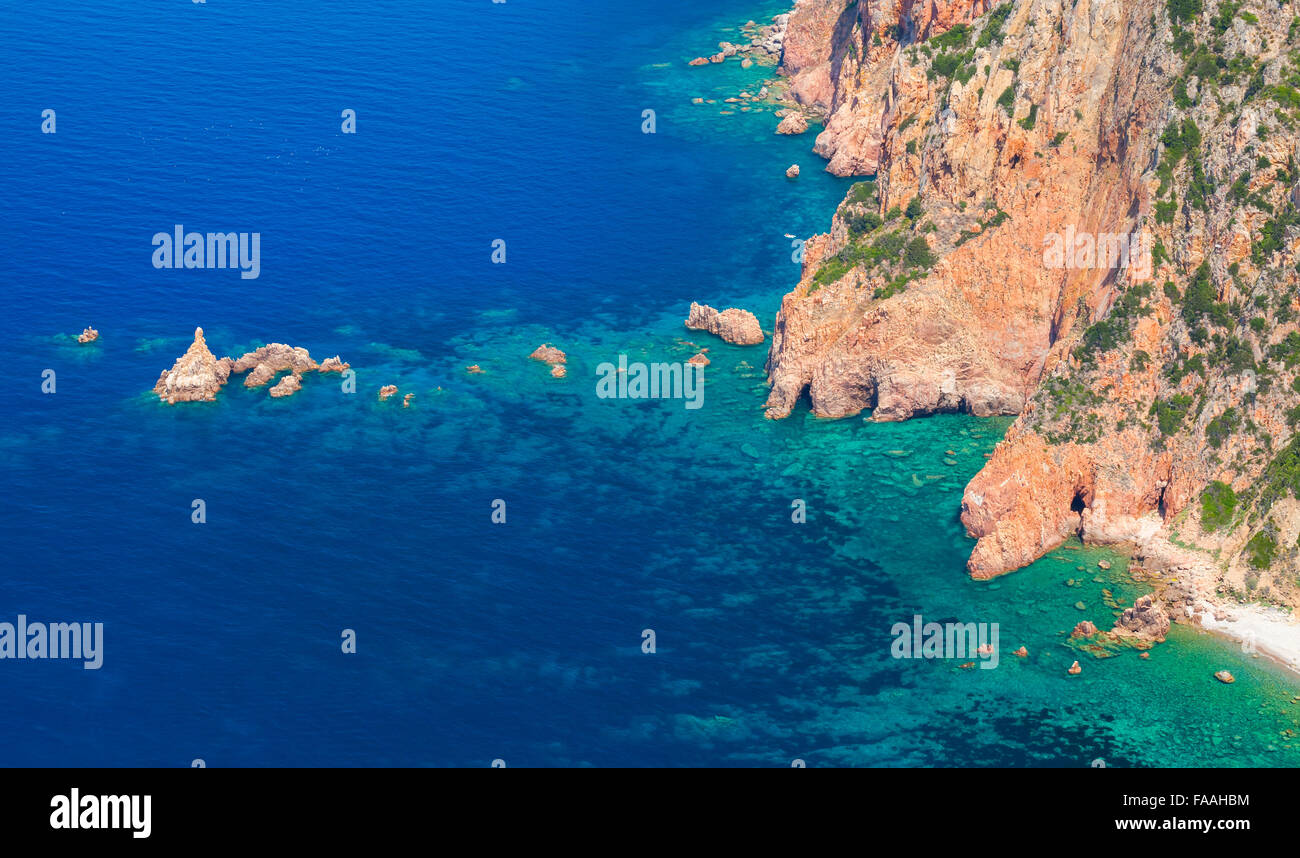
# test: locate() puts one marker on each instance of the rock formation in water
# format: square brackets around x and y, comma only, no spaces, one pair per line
[792,123]
[287,386]
[733,324]
[386,391]
[89,335]
[198,375]
[195,377]
[265,363]
[1083,215]
[548,353]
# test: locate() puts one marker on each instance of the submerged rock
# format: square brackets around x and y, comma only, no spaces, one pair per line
[195,377]
[1022,652]
[733,325]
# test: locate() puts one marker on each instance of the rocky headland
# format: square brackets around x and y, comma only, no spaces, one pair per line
[1156,394]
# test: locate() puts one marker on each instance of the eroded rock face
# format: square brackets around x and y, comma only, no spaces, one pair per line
[195,377]
[734,325]
[975,331]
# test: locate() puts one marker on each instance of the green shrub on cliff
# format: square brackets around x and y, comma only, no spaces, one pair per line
[1220,429]
[1201,299]
[862,192]
[918,254]
[1261,549]
[1184,10]
[955,37]
[992,32]
[861,223]
[1169,413]
[1007,100]
[1218,505]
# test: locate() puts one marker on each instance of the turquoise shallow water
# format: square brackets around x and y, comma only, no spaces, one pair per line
[519,641]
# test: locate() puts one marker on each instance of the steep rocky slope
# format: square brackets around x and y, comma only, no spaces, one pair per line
[1082,214]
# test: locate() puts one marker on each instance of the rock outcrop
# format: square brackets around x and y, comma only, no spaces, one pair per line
[1146,619]
[734,325]
[287,386]
[265,363]
[793,123]
[89,335]
[548,353]
[387,391]
[196,376]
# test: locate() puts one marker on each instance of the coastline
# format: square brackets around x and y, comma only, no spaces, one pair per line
[1185,582]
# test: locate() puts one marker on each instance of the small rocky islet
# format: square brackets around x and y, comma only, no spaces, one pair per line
[198,375]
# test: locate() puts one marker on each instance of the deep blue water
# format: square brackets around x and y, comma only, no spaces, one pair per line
[476,641]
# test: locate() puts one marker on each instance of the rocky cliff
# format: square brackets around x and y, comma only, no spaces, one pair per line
[1082,214]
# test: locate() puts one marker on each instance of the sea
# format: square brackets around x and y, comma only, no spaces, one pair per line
[529,574]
